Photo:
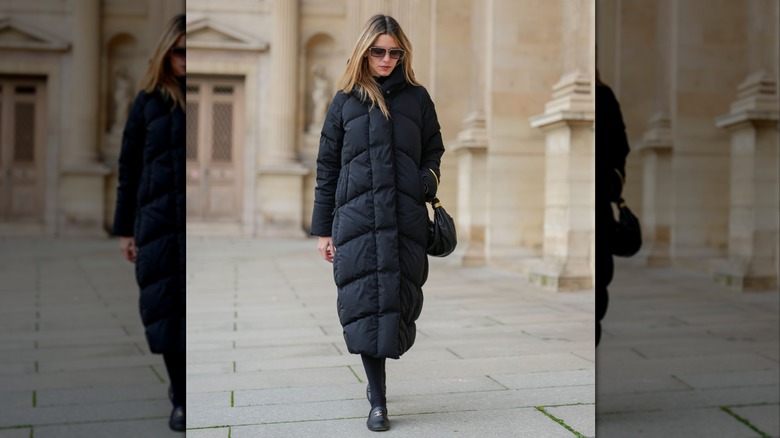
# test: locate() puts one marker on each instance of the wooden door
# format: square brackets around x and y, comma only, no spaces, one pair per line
[214,110]
[21,151]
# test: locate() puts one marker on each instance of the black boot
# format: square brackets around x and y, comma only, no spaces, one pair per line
[377,419]
[177,422]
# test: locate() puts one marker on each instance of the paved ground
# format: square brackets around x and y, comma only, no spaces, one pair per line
[680,356]
[683,357]
[266,357]
[73,358]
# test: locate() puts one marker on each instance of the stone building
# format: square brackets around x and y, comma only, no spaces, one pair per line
[69,69]
[698,85]
[511,80]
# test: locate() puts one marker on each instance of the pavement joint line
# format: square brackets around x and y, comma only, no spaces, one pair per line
[232,399]
[745,421]
[234,366]
[490,318]
[78,423]
[690,408]
[560,421]
[162,380]
[353,372]
[684,382]
[639,353]
[104,402]
[337,348]
[34,398]
[502,385]
[584,358]
[453,353]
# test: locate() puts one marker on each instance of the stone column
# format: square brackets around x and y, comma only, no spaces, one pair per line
[753,220]
[284,82]
[281,175]
[82,184]
[656,152]
[704,63]
[471,149]
[656,149]
[569,220]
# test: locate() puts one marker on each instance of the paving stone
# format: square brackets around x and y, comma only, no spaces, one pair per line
[15,399]
[268,379]
[721,380]
[546,379]
[22,432]
[60,415]
[152,427]
[213,432]
[764,418]
[673,424]
[357,391]
[526,422]
[581,418]
[78,396]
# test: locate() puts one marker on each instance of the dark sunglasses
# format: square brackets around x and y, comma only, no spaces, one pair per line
[379,52]
[179,51]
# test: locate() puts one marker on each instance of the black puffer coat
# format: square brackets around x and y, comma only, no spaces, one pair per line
[151,208]
[370,197]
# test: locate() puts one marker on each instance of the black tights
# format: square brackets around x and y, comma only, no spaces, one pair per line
[176,365]
[375,372]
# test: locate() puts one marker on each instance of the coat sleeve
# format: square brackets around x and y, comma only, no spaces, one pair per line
[432,148]
[328,169]
[130,167]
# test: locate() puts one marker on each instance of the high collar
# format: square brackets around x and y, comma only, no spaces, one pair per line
[394,82]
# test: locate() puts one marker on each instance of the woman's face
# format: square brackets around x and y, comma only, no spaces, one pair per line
[178,58]
[382,65]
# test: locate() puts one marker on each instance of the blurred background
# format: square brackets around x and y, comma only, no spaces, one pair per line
[691,343]
[70,71]
[511,81]
[73,355]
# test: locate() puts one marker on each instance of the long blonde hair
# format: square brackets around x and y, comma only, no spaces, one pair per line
[358,77]
[159,75]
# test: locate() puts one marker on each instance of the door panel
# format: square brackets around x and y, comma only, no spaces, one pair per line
[213,155]
[21,151]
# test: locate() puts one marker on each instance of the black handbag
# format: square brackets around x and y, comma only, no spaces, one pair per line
[442,238]
[627,238]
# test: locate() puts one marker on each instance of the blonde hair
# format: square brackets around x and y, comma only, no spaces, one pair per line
[358,76]
[159,75]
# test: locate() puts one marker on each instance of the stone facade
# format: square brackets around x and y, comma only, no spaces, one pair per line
[511,79]
[68,72]
[698,85]
[512,84]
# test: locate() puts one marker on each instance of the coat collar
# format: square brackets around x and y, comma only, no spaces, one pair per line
[395,82]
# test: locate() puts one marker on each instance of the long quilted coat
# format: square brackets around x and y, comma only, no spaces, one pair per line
[151,208]
[372,175]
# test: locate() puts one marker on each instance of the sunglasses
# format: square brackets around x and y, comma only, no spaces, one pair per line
[179,51]
[379,52]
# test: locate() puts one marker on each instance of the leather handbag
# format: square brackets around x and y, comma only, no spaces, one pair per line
[442,237]
[627,238]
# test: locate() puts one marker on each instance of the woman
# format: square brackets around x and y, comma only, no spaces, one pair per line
[611,151]
[150,210]
[378,163]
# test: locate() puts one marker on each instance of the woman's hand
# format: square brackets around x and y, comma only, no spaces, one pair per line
[128,248]
[326,248]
